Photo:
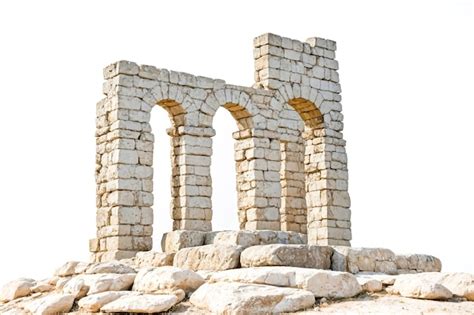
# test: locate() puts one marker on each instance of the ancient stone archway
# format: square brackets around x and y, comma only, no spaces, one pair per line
[289,150]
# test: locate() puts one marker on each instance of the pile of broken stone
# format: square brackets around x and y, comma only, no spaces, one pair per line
[238,272]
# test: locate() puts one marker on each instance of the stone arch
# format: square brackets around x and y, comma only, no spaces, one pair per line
[325,171]
[255,209]
[190,208]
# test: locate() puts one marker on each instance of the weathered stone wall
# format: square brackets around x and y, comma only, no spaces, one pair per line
[291,165]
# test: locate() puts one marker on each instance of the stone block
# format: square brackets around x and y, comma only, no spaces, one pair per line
[307,256]
[176,240]
[208,257]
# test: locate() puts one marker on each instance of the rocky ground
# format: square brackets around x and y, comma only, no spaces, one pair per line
[235,279]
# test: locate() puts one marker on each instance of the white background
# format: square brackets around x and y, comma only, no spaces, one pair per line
[406,71]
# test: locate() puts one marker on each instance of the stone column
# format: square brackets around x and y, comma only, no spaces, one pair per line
[326,189]
[124,176]
[191,178]
[258,187]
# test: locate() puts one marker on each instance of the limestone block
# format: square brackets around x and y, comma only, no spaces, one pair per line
[144,303]
[178,239]
[16,289]
[241,238]
[167,278]
[238,298]
[418,263]
[153,259]
[355,260]
[51,304]
[322,283]
[308,256]
[208,257]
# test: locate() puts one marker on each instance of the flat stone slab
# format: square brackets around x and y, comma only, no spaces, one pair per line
[241,298]
[322,283]
[307,256]
[356,260]
[208,257]
[161,279]
[143,303]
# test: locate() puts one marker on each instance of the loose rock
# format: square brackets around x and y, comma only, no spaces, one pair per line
[176,240]
[16,289]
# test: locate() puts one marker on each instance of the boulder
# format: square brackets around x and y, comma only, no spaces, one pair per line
[94,302]
[208,257]
[356,260]
[51,304]
[153,259]
[143,303]
[420,286]
[16,289]
[417,263]
[307,256]
[109,267]
[240,298]
[154,280]
[175,240]
[459,283]
[83,285]
[322,283]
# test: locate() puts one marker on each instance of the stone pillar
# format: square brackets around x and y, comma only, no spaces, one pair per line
[191,207]
[258,187]
[292,177]
[326,189]
[124,175]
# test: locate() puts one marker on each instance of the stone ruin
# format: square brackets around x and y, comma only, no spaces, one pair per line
[291,163]
[292,252]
